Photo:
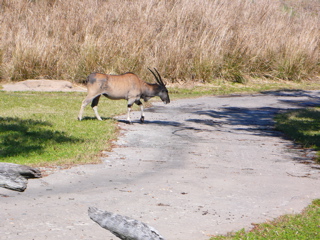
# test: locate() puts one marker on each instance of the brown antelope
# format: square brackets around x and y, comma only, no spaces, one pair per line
[126,86]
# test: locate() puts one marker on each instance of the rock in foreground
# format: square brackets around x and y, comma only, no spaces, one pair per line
[123,227]
[15,177]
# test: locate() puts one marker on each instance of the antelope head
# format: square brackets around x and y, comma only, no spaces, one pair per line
[163,91]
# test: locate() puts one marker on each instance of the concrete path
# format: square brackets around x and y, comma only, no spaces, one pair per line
[195,168]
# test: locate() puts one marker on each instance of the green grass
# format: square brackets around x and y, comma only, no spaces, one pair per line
[224,87]
[300,226]
[41,128]
[303,126]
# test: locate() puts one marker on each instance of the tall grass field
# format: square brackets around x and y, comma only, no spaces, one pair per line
[186,40]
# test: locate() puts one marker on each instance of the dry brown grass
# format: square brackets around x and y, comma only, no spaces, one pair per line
[184,39]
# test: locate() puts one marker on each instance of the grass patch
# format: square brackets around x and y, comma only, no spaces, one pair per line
[303,126]
[41,128]
[300,226]
[225,87]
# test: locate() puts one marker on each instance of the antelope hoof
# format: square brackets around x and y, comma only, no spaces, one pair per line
[142,119]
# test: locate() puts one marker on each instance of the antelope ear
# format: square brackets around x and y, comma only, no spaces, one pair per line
[164,83]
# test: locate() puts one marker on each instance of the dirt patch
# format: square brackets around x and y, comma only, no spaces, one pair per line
[44,85]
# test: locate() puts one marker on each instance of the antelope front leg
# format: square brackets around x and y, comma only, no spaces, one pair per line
[139,103]
[142,114]
[130,103]
[128,114]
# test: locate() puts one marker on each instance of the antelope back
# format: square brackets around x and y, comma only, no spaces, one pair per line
[114,86]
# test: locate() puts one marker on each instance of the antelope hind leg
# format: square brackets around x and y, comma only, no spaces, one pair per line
[83,105]
[94,106]
[85,102]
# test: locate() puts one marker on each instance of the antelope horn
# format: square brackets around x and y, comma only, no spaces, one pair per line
[158,78]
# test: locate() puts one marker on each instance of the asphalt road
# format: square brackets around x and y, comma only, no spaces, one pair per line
[195,168]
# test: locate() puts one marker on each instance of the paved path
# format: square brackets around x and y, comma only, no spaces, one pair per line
[197,167]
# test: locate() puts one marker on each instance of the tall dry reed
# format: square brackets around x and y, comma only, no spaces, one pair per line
[184,39]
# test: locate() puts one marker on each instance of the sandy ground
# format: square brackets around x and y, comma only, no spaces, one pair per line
[43,85]
[195,168]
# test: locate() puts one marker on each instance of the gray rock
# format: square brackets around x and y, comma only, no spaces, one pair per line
[13,181]
[14,176]
[123,227]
